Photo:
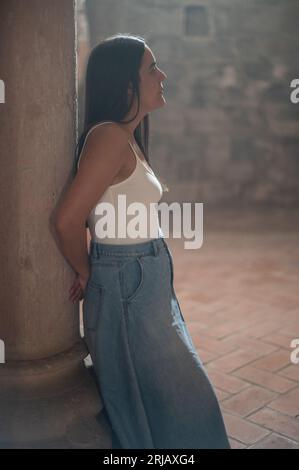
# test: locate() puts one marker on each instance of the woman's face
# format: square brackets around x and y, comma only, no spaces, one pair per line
[151,78]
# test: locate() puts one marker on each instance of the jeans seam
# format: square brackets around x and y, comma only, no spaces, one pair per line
[101,292]
[126,300]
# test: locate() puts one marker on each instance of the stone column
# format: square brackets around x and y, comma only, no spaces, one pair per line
[48,398]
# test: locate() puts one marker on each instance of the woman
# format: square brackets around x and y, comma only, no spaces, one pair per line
[154,387]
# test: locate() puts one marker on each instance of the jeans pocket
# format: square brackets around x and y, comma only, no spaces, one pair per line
[92,304]
[131,276]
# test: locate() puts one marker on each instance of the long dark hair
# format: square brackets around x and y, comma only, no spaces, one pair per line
[112,65]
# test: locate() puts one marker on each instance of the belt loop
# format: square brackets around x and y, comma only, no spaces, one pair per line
[155,248]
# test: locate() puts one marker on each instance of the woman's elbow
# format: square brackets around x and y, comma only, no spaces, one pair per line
[59,221]
[64,225]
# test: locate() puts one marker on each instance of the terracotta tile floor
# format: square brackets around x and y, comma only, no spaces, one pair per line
[239,295]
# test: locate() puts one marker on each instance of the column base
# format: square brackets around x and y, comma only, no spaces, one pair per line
[52,403]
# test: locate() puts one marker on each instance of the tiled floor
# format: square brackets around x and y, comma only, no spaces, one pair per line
[239,294]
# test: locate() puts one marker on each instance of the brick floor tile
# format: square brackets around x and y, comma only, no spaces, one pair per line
[248,400]
[206,356]
[236,445]
[211,308]
[287,403]
[193,316]
[224,329]
[204,341]
[226,382]
[276,421]
[291,372]
[279,339]
[234,360]
[266,379]
[242,430]
[291,329]
[242,340]
[283,300]
[274,361]
[275,441]
[263,328]
[221,395]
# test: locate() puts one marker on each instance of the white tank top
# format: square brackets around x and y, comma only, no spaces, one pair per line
[142,186]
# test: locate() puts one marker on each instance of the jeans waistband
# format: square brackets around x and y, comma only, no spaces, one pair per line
[150,247]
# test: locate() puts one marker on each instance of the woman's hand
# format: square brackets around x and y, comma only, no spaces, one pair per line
[77,289]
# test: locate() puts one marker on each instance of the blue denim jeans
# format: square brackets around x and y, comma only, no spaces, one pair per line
[154,387]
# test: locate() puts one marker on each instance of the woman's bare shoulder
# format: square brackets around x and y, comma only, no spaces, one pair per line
[104,137]
[108,130]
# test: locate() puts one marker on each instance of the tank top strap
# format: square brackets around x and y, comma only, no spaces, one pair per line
[146,166]
[90,130]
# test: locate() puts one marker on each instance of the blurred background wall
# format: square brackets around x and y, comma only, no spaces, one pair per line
[228,133]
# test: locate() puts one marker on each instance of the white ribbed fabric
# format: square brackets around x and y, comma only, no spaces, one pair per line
[142,186]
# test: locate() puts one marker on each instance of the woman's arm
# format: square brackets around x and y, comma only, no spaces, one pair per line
[101,160]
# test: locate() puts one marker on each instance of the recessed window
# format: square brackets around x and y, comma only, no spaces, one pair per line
[196,21]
